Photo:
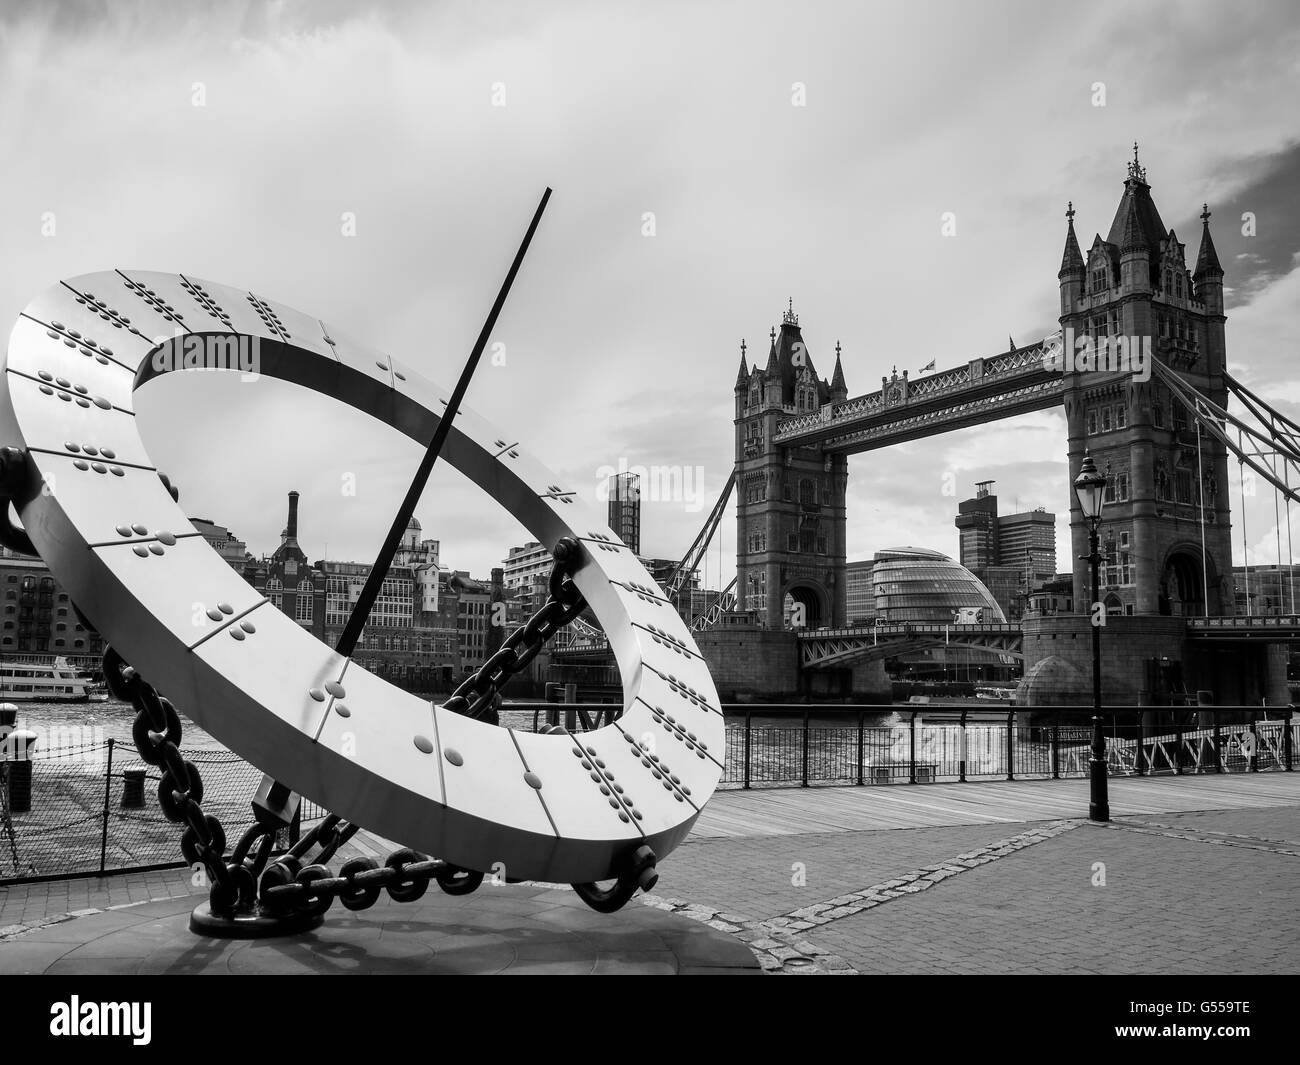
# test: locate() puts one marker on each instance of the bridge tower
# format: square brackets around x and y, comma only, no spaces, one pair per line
[1165,537]
[790,535]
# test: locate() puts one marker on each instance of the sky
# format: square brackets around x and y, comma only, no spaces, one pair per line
[376,166]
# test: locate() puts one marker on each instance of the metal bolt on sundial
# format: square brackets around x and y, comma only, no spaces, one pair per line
[578,808]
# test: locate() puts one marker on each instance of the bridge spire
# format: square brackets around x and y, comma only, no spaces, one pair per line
[1136,171]
[742,376]
[837,378]
[1072,257]
[1207,259]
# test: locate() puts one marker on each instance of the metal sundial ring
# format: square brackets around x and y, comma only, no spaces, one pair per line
[560,808]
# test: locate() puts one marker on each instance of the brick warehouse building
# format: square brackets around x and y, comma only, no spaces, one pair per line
[38,617]
[413,636]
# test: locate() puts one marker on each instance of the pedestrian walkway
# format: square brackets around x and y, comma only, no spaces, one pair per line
[1193,875]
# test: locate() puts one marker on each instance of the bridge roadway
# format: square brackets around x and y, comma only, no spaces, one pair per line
[835,648]
[983,390]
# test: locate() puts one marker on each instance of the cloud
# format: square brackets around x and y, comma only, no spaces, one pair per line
[619,343]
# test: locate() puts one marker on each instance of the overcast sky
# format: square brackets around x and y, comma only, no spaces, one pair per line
[618,344]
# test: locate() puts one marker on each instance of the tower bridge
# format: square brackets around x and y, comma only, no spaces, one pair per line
[1166,536]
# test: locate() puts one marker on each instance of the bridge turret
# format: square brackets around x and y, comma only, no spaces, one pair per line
[839,390]
[1071,274]
[1209,274]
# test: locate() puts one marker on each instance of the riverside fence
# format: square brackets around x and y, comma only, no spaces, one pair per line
[94,809]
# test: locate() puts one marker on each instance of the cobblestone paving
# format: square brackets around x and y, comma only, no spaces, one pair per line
[781,943]
[1169,903]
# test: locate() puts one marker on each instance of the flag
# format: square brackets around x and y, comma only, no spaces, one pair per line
[927,367]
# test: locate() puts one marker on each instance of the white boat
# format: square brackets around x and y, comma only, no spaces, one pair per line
[48,681]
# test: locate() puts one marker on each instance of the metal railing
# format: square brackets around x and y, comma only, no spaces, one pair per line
[807,746]
[94,809]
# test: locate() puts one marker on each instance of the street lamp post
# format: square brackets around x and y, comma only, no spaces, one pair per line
[1090,486]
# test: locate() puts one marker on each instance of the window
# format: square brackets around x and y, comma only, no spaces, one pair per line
[1183,486]
[807,540]
[753,397]
[302,607]
[1092,422]
[1105,419]
[1121,416]
[821,544]
[1099,279]
[807,492]
[1123,540]
[1158,411]
[792,542]
[1180,418]
[275,593]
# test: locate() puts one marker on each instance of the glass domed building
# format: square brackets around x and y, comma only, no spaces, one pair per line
[915,584]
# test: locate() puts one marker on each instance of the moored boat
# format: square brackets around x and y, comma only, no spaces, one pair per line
[53,680]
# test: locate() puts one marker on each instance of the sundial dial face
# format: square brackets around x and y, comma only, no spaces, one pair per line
[553,807]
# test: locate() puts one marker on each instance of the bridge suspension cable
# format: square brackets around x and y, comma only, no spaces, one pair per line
[1271,448]
[691,560]
[1269,443]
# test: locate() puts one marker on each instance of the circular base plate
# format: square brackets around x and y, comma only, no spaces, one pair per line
[524,929]
[256,925]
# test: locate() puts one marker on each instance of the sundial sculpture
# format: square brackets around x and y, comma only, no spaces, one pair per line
[184,629]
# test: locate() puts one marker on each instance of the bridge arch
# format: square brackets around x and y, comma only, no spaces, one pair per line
[1182,587]
[808,600]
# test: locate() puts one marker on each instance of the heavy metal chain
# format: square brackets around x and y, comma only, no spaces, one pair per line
[564,604]
[156,732]
[288,884]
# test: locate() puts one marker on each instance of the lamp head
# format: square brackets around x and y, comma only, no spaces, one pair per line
[1090,487]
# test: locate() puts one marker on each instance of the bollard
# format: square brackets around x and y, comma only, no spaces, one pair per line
[133,789]
[17,749]
[20,786]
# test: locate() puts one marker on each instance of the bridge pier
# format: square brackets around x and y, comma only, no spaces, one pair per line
[1145,661]
[750,663]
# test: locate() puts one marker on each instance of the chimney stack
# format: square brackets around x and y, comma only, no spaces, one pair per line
[291,530]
